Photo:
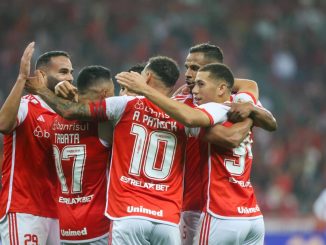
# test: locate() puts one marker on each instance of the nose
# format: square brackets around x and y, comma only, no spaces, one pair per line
[195,89]
[70,77]
[188,73]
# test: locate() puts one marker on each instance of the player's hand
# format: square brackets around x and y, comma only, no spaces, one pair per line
[239,111]
[133,81]
[66,90]
[25,62]
[36,83]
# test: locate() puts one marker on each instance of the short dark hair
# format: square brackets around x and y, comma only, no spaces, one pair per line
[165,68]
[210,51]
[90,75]
[137,68]
[45,58]
[219,71]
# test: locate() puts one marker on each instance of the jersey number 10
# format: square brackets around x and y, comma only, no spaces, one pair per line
[147,148]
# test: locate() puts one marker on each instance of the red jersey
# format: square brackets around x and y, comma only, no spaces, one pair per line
[146,171]
[229,190]
[81,159]
[196,151]
[28,171]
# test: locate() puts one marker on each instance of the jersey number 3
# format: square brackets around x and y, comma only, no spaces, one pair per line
[237,166]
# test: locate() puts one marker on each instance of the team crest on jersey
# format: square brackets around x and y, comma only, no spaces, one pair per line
[139,105]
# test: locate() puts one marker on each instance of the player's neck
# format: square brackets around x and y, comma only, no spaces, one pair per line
[88,98]
[223,98]
[161,88]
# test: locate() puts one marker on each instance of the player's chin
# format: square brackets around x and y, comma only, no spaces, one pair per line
[198,101]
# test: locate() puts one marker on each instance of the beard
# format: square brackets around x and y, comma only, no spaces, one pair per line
[52,82]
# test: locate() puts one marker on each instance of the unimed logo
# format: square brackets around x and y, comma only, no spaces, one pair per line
[40,133]
[69,232]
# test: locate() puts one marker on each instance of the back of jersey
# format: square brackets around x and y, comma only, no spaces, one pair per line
[230,193]
[81,160]
[147,164]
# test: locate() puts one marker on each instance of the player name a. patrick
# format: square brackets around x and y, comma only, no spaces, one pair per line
[155,122]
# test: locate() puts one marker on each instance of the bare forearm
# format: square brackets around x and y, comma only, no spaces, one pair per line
[65,108]
[9,110]
[263,119]
[180,112]
[228,137]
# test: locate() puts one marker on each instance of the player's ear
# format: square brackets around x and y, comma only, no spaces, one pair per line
[104,94]
[148,76]
[222,88]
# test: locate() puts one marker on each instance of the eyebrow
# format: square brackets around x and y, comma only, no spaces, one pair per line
[66,70]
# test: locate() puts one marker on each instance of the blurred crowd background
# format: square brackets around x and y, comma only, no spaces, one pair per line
[281,44]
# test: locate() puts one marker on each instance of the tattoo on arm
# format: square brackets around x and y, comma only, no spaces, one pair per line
[65,108]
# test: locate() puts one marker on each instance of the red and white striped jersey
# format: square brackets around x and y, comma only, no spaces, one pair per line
[147,164]
[229,190]
[28,171]
[81,159]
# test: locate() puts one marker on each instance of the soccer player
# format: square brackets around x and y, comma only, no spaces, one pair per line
[28,212]
[136,68]
[146,172]
[232,215]
[193,203]
[81,150]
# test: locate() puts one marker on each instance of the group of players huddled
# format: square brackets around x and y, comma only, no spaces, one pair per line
[82,166]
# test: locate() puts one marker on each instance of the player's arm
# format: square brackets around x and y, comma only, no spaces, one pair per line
[65,108]
[246,86]
[262,118]
[228,137]
[180,112]
[9,110]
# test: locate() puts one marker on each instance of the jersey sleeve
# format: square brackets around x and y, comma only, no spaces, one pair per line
[110,108]
[22,111]
[244,97]
[216,112]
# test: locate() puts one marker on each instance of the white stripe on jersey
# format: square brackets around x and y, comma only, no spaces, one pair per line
[12,170]
[115,106]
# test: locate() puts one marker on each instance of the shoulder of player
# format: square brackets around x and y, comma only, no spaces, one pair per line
[36,101]
[213,104]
